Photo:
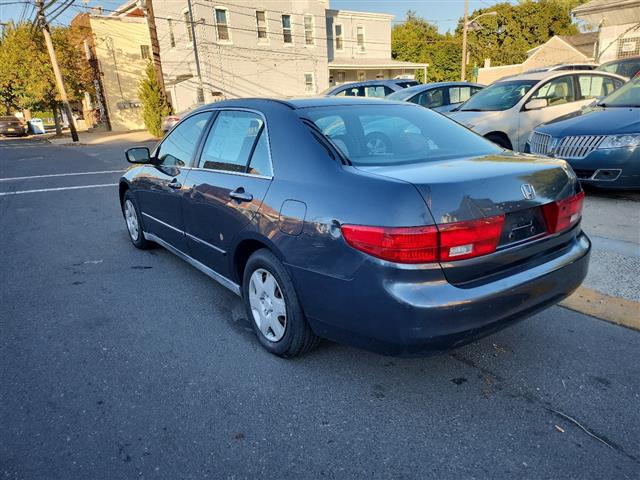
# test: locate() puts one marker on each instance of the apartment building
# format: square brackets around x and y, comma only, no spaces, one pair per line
[118,49]
[212,50]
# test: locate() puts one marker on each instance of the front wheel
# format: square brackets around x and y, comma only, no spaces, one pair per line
[134,225]
[273,307]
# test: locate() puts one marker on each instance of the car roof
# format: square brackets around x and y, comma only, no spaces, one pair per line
[429,86]
[262,104]
[554,73]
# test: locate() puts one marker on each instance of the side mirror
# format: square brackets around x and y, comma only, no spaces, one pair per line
[138,155]
[536,104]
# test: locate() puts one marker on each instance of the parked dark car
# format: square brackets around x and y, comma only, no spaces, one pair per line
[10,125]
[627,67]
[439,96]
[442,239]
[370,88]
[601,142]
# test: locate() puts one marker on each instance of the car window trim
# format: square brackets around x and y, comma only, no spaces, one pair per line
[189,164]
[264,128]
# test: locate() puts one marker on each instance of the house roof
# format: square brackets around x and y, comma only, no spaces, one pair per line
[583,42]
[613,12]
[372,63]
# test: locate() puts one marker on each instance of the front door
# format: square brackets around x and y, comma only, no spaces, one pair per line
[162,185]
[226,190]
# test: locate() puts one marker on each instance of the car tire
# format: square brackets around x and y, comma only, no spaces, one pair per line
[133,221]
[273,308]
[499,140]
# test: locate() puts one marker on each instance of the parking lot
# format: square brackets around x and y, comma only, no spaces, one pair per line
[121,363]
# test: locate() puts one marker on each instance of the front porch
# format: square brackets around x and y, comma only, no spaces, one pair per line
[360,70]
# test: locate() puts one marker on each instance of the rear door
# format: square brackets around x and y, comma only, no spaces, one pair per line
[160,187]
[228,185]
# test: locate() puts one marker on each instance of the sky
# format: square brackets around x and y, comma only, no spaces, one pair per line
[444,13]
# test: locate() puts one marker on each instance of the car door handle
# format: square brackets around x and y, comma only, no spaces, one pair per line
[240,195]
[176,185]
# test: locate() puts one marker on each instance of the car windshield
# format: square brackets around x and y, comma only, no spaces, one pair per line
[626,96]
[376,135]
[499,96]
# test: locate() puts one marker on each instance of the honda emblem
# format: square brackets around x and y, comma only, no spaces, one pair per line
[528,191]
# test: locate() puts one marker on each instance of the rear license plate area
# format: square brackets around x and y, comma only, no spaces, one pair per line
[522,225]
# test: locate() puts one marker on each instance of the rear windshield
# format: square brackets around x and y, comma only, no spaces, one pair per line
[370,135]
[408,83]
[499,96]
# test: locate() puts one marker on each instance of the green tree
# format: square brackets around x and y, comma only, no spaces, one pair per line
[154,104]
[26,76]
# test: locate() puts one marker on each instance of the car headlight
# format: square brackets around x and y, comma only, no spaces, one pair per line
[620,141]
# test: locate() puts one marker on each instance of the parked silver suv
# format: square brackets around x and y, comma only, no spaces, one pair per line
[507,111]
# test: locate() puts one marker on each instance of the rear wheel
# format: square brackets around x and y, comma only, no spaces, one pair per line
[273,307]
[134,225]
[500,140]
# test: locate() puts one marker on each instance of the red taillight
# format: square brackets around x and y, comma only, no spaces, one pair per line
[563,214]
[396,244]
[452,241]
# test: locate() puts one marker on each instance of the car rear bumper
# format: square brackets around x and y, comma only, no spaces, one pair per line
[413,311]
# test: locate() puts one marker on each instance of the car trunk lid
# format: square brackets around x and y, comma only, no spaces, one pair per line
[515,186]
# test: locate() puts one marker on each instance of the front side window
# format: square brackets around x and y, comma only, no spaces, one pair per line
[287,36]
[431,98]
[261,24]
[593,86]
[360,38]
[178,147]
[309,83]
[222,25]
[231,141]
[556,92]
[308,30]
[499,96]
[339,44]
[392,134]
[187,26]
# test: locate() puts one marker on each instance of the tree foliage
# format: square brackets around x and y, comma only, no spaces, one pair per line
[504,38]
[154,104]
[26,75]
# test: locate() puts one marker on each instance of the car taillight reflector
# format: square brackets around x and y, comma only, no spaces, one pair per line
[451,241]
[563,214]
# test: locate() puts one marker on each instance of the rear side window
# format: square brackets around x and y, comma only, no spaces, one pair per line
[260,163]
[378,91]
[459,94]
[351,92]
[593,86]
[231,141]
[395,134]
[178,147]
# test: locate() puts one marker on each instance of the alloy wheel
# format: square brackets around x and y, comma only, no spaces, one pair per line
[267,305]
[131,217]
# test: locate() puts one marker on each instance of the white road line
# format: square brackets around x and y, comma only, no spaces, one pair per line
[8,179]
[20,192]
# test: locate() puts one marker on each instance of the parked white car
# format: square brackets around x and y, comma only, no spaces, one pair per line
[507,111]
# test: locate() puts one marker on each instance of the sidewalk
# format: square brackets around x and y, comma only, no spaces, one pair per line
[100,138]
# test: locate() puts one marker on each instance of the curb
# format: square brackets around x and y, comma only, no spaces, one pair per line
[605,307]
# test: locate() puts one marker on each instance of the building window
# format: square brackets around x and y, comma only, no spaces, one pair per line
[339,44]
[360,37]
[187,25]
[362,75]
[286,29]
[340,76]
[261,24]
[144,52]
[309,83]
[172,37]
[222,25]
[628,47]
[308,30]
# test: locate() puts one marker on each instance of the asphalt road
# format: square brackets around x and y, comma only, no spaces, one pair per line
[118,363]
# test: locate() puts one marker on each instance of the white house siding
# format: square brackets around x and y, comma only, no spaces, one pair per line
[619,41]
[377,35]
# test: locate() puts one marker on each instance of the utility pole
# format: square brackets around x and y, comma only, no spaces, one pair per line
[465,26]
[155,45]
[200,92]
[56,68]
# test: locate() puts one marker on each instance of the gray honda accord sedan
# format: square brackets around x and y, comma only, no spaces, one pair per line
[381,225]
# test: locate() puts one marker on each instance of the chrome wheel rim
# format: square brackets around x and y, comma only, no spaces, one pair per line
[267,303]
[132,220]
